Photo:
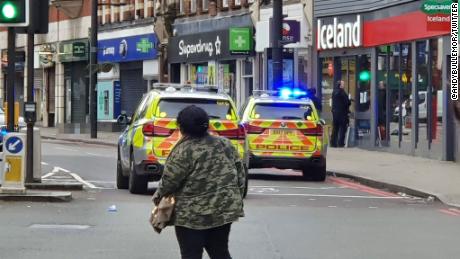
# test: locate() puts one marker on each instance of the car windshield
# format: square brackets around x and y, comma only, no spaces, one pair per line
[216,109]
[281,111]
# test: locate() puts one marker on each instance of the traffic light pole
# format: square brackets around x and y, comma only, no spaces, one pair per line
[11,77]
[30,99]
[92,70]
[277,47]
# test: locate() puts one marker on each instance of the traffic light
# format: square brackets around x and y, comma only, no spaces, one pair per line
[364,76]
[14,13]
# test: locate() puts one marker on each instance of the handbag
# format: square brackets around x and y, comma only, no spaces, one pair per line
[161,215]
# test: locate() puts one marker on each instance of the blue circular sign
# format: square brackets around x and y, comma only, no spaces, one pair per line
[14,145]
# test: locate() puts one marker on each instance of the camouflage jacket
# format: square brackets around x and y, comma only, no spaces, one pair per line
[207,178]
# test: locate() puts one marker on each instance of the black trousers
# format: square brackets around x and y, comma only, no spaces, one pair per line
[214,240]
[339,129]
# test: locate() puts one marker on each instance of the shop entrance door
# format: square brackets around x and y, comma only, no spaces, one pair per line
[355,72]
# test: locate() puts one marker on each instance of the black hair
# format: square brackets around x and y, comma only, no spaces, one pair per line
[193,122]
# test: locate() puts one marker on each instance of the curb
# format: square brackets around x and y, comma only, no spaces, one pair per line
[391,187]
[93,142]
[55,186]
[36,196]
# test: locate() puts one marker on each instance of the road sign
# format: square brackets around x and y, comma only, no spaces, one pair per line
[14,145]
[13,164]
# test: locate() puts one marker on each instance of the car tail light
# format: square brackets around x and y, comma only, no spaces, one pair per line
[239,133]
[317,131]
[151,130]
[250,129]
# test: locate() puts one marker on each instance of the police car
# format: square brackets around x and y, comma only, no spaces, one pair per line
[285,131]
[152,132]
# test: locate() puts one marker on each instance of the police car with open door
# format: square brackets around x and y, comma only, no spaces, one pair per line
[152,132]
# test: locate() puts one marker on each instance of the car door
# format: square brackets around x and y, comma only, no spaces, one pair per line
[128,134]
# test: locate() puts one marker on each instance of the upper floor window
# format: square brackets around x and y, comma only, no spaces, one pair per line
[181,6]
[225,3]
[193,6]
[205,5]
[237,2]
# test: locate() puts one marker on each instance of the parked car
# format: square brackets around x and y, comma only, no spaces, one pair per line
[422,106]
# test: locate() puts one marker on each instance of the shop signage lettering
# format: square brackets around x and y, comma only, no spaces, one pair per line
[437,14]
[431,7]
[200,47]
[339,34]
[134,48]
[72,51]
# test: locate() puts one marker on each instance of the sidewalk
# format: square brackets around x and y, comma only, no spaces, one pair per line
[396,172]
[399,173]
[103,138]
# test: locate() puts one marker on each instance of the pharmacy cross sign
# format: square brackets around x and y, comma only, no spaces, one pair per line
[144,45]
[240,40]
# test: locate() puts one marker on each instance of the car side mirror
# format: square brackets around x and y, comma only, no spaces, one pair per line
[123,120]
[322,122]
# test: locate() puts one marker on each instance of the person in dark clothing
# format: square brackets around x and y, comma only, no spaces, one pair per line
[340,110]
[316,101]
[382,108]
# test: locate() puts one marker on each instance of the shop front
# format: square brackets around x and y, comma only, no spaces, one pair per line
[74,57]
[222,58]
[129,66]
[19,77]
[394,65]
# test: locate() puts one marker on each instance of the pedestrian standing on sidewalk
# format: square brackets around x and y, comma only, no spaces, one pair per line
[206,176]
[340,111]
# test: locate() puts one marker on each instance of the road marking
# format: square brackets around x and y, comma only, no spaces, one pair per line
[298,187]
[373,207]
[332,206]
[362,188]
[44,163]
[330,196]
[311,199]
[78,178]
[58,226]
[449,212]
[48,175]
[58,169]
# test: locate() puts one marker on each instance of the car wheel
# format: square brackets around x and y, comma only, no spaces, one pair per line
[315,173]
[122,181]
[246,181]
[136,184]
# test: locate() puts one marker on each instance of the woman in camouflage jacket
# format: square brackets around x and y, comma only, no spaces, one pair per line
[206,176]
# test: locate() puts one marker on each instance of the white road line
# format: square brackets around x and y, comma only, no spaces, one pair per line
[44,163]
[57,169]
[48,175]
[373,207]
[78,178]
[332,206]
[325,195]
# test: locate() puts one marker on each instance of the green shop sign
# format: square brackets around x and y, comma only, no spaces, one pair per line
[144,45]
[72,51]
[433,7]
[241,40]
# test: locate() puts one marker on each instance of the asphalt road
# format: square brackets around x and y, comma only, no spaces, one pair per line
[286,217]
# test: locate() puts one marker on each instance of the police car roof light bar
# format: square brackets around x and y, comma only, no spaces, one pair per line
[186,87]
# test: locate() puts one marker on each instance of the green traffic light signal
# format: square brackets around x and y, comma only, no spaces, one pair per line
[14,13]
[9,11]
[364,76]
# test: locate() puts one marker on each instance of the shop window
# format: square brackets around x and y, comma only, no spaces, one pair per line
[364,83]
[205,5]
[435,116]
[422,50]
[327,86]
[193,6]
[405,76]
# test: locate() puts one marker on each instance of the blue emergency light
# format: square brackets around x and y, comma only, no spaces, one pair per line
[287,93]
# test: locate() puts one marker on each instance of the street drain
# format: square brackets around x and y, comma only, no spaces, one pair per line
[59,226]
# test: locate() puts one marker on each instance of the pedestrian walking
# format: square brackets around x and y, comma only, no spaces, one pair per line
[340,111]
[382,108]
[316,101]
[206,176]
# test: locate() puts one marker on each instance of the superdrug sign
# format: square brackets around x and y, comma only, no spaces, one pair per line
[200,47]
